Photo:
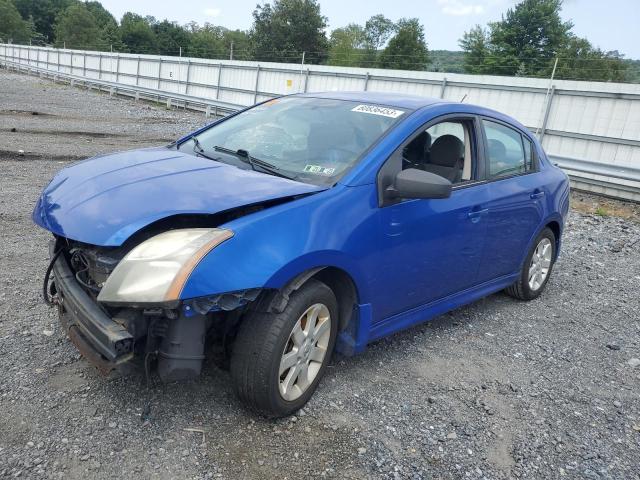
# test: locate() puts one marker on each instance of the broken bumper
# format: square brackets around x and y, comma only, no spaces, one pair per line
[103,342]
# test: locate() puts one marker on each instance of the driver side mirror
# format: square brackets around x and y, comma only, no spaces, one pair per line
[414,183]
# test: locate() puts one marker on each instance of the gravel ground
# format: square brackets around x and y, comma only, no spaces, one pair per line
[497,389]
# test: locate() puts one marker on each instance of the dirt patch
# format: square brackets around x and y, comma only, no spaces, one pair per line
[604,207]
[31,113]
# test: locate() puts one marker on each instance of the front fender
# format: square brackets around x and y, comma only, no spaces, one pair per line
[331,228]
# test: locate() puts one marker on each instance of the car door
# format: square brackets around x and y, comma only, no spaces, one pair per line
[515,198]
[431,248]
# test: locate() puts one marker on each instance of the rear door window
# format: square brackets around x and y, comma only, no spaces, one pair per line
[507,151]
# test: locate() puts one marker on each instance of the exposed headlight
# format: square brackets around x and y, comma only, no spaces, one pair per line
[156,270]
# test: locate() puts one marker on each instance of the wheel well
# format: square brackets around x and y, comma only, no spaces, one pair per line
[343,287]
[555,228]
[339,281]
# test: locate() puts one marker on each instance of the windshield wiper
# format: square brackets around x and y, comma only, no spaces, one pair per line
[244,156]
[199,149]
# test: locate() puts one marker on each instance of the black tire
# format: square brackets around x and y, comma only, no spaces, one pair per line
[521,289]
[259,346]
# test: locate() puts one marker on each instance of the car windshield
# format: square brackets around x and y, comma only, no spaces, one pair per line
[314,140]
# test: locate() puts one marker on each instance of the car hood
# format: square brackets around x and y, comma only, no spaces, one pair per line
[106,199]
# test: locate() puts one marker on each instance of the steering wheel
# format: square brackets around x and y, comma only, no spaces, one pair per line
[343,154]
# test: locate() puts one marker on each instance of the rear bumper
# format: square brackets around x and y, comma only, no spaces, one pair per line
[103,342]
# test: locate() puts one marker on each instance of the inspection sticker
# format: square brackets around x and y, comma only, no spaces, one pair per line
[376,110]
[318,170]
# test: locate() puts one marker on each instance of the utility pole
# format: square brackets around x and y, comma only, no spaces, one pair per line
[553,74]
[231,52]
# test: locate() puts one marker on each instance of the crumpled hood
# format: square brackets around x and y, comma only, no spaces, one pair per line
[106,199]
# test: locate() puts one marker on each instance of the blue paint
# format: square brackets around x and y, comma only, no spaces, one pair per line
[409,262]
[105,200]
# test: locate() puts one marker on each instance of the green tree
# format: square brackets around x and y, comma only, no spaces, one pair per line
[527,41]
[36,38]
[110,38]
[579,60]
[77,28]
[170,37]
[531,34]
[43,13]
[407,49]
[137,35]
[377,31]
[475,44]
[12,27]
[102,15]
[346,45]
[241,43]
[206,41]
[283,31]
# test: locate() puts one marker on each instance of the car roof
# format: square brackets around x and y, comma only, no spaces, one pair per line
[398,100]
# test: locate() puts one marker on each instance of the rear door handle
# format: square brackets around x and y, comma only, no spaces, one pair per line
[535,195]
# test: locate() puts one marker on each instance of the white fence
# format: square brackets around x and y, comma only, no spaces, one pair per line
[592,129]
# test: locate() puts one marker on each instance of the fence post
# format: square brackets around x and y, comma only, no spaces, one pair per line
[159,72]
[84,64]
[546,113]
[443,87]
[306,80]
[255,91]
[218,82]
[186,83]
[100,66]
[366,81]
[48,58]
[300,77]
[138,72]
[117,67]
[71,62]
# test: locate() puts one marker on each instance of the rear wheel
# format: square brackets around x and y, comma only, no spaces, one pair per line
[537,268]
[279,359]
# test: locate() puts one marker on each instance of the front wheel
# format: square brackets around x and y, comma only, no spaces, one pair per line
[279,359]
[537,268]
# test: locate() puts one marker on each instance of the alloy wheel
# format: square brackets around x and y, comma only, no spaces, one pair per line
[305,351]
[540,264]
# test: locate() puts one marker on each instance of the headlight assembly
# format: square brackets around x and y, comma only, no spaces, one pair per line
[156,270]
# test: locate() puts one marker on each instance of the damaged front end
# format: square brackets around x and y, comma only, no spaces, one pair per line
[93,286]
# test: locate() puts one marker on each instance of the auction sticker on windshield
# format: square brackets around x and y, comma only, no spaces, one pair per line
[317,169]
[376,110]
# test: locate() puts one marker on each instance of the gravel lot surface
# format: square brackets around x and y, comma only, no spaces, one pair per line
[498,389]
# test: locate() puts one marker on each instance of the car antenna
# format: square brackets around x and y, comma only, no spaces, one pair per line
[465,96]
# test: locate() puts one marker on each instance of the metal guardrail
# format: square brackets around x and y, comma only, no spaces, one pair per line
[609,180]
[209,106]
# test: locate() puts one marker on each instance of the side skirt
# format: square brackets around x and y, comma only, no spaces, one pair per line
[427,312]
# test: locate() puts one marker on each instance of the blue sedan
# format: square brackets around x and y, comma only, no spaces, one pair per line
[302,225]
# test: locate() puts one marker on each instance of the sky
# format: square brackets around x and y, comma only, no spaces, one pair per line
[609,24]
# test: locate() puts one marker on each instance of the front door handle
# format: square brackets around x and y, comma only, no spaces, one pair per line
[537,194]
[476,215]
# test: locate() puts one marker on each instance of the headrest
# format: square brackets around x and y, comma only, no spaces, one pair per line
[497,150]
[447,151]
